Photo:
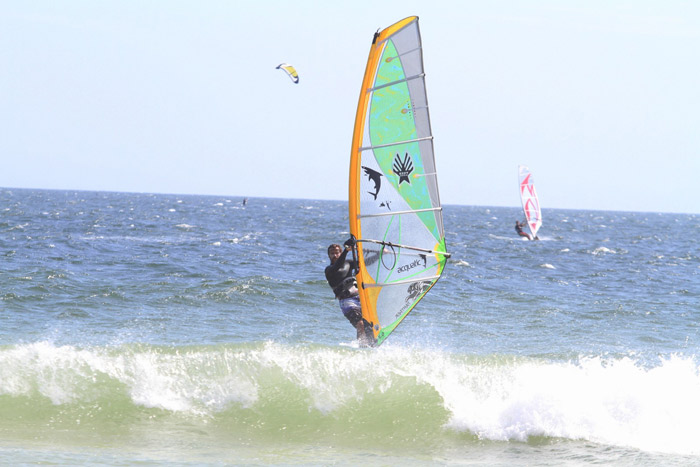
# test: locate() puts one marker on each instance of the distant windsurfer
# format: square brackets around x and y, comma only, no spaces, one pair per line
[341,277]
[519,229]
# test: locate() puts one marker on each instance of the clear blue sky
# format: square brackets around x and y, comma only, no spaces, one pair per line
[601,99]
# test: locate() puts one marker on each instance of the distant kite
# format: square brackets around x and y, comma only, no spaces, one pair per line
[290,71]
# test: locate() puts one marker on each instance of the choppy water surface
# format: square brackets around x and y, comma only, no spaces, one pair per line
[176,330]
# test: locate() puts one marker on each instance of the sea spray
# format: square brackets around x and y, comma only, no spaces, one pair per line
[264,389]
[610,401]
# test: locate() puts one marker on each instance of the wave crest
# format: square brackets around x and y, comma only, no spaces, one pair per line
[388,393]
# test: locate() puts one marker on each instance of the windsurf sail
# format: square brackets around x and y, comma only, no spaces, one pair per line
[395,211]
[291,72]
[529,200]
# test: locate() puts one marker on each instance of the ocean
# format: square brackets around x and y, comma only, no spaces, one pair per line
[150,329]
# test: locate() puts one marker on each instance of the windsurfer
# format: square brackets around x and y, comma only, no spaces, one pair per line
[519,229]
[341,277]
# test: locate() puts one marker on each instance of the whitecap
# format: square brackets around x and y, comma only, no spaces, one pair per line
[601,250]
[616,402]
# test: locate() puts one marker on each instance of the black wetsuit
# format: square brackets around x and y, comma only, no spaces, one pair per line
[339,276]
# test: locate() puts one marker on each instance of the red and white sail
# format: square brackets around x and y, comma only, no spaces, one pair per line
[530,202]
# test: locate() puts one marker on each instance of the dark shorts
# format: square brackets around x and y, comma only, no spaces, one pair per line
[352,309]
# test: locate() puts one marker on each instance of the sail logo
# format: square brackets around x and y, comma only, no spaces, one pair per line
[403,168]
[409,266]
[414,291]
[413,264]
[375,177]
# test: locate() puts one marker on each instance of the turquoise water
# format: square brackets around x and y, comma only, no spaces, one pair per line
[142,329]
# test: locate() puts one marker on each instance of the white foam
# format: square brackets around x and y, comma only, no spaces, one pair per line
[193,381]
[611,402]
[602,250]
[617,402]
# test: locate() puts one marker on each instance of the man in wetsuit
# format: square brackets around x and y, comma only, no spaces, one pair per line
[341,277]
[519,229]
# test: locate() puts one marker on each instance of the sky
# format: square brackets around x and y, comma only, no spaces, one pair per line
[599,98]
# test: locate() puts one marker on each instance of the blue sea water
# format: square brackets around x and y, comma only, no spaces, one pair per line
[142,329]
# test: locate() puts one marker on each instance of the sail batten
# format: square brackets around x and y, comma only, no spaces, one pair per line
[427,138]
[394,202]
[403,282]
[396,213]
[422,75]
[417,49]
[408,247]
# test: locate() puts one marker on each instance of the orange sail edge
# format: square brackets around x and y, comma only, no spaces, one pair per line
[369,313]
